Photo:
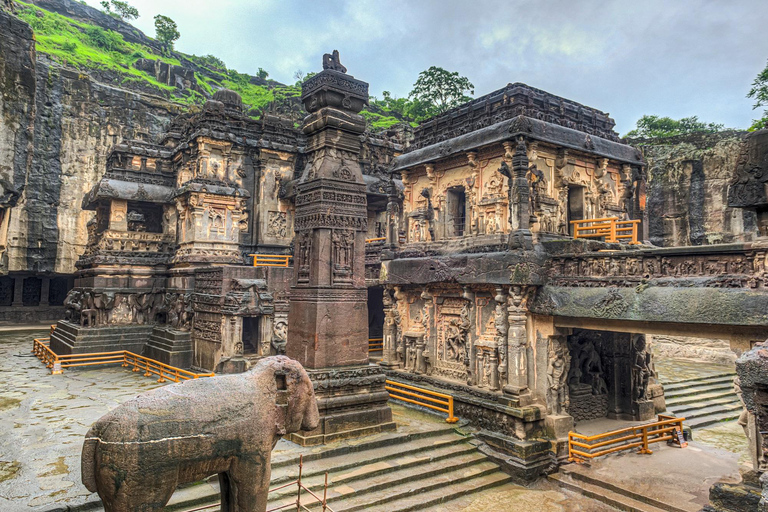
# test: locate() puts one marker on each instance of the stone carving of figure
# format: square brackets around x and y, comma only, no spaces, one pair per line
[556,377]
[331,61]
[640,372]
[537,184]
[429,215]
[504,170]
[454,341]
[73,305]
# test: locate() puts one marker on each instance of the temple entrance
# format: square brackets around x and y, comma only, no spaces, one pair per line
[611,375]
[251,334]
[455,209]
[375,312]
[575,205]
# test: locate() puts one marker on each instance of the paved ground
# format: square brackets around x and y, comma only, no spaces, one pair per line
[675,370]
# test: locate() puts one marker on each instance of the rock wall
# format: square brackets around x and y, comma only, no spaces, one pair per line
[687,195]
[58,126]
[697,349]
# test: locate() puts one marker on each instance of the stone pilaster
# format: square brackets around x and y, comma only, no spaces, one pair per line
[519,208]
[328,315]
[517,381]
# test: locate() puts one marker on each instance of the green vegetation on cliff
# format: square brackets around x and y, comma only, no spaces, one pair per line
[656,127]
[108,57]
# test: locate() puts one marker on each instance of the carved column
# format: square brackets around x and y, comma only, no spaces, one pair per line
[328,315]
[519,191]
[393,216]
[389,354]
[502,330]
[517,381]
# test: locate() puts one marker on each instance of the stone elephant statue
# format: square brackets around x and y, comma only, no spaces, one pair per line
[136,455]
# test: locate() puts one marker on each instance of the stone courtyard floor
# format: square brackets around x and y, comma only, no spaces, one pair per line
[45,417]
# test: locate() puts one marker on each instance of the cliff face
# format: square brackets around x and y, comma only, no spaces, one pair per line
[57,127]
[687,195]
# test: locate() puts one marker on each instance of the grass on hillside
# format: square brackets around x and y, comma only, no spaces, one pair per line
[85,47]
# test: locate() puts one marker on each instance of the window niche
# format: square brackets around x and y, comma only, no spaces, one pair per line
[145,217]
[456,211]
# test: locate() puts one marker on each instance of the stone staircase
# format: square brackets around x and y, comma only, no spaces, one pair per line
[392,473]
[576,478]
[703,401]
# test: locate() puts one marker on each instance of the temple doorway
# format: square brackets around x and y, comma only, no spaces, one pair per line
[611,375]
[251,334]
[375,312]
[575,205]
[455,207]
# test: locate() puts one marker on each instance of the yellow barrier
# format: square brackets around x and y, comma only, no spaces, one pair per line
[408,391]
[57,363]
[667,428]
[270,260]
[610,228]
[375,344]
[377,239]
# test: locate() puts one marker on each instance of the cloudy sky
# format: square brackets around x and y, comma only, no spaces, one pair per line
[676,58]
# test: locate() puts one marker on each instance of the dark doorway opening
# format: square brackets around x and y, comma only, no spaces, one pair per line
[250,334]
[375,312]
[456,208]
[575,206]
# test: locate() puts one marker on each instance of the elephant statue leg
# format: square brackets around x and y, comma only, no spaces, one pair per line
[250,483]
[148,494]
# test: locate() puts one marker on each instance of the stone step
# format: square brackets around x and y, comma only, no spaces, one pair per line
[607,496]
[693,392]
[682,384]
[419,491]
[702,398]
[439,457]
[711,419]
[710,410]
[690,407]
[583,477]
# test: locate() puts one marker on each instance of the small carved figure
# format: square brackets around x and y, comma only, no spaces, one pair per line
[538,185]
[226,424]
[429,215]
[331,61]
[556,377]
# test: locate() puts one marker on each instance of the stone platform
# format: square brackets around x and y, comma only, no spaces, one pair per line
[69,338]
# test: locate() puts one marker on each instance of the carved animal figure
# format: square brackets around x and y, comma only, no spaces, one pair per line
[331,61]
[136,455]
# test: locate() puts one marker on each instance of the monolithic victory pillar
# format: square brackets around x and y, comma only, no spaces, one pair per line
[328,316]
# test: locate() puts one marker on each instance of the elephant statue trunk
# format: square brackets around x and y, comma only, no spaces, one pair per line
[136,455]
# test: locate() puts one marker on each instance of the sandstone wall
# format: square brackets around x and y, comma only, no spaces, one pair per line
[688,178]
[58,126]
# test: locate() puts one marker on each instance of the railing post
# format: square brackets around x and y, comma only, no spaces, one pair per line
[298,495]
[612,230]
[451,418]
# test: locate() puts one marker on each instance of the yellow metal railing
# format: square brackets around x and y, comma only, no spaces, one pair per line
[295,505]
[424,397]
[57,362]
[610,228]
[375,344]
[667,428]
[374,240]
[270,260]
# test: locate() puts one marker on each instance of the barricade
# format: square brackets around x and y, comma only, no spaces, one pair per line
[667,428]
[423,397]
[271,260]
[125,358]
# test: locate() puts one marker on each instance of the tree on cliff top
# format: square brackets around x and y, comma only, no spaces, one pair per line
[441,90]
[759,93]
[120,10]
[653,127]
[166,31]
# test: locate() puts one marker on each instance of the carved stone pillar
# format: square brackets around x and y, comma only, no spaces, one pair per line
[502,330]
[118,215]
[517,381]
[18,291]
[470,355]
[45,291]
[389,354]
[328,315]
[393,216]
[519,189]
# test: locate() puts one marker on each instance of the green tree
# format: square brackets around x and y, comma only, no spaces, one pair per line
[120,10]
[166,31]
[438,90]
[759,93]
[652,127]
